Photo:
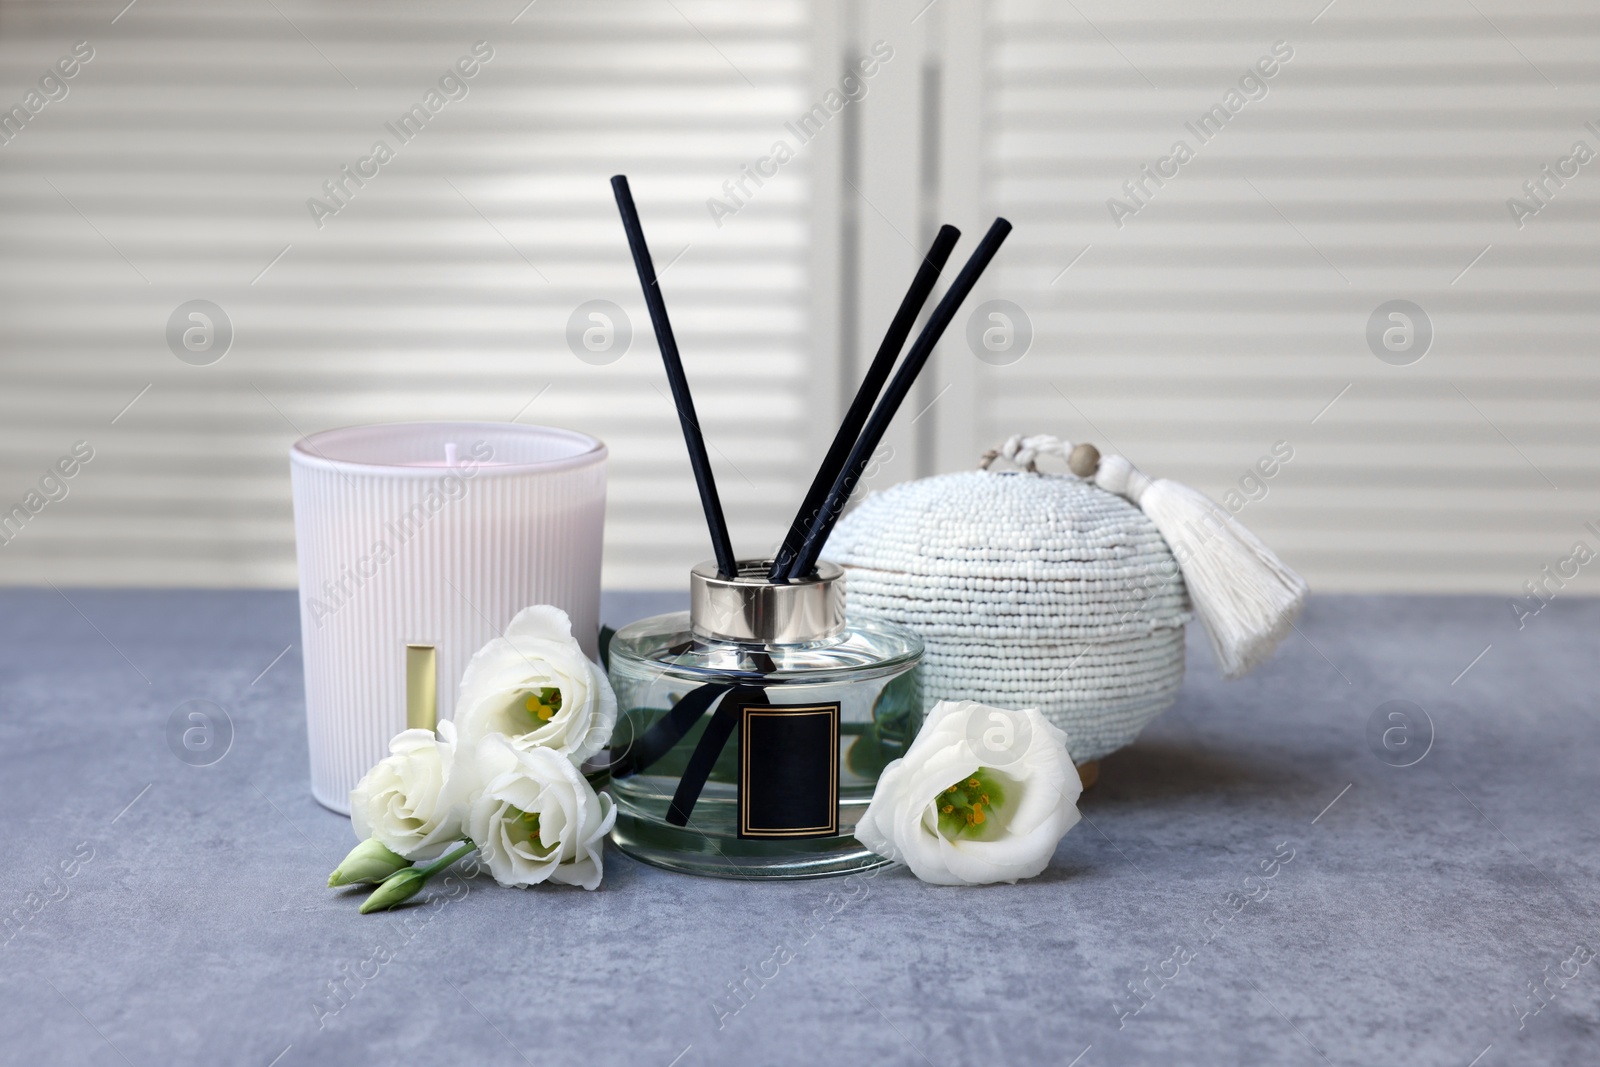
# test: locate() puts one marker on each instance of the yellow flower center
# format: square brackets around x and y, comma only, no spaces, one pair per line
[543,704]
[523,829]
[962,807]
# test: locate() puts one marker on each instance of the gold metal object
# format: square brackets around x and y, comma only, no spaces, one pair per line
[422,687]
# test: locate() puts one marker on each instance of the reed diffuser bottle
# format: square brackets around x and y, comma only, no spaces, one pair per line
[753,727]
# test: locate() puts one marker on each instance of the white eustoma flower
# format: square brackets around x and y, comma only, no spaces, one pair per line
[404,802]
[535,817]
[982,795]
[535,686]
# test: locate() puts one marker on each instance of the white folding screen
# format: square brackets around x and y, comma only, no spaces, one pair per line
[1200,321]
[185,160]
[1205,322]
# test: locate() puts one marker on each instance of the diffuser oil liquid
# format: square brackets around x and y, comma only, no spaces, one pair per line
[813,724]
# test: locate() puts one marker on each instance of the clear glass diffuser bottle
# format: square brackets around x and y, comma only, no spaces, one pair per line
[752,728]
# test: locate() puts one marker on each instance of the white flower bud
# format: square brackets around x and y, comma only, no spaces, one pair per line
[396,889]
[370,861]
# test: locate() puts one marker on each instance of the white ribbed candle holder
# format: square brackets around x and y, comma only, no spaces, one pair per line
[430,533]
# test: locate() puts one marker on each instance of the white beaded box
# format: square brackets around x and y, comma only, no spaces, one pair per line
[1030,590]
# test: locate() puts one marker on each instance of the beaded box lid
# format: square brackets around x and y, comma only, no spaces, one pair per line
[1030,590]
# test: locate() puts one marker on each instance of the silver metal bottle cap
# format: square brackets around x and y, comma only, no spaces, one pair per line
[748,608]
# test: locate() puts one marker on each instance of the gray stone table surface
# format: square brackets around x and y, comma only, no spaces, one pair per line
[1438,913]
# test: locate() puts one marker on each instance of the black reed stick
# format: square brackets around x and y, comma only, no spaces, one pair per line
[727,565]
[893,397]
[877,373]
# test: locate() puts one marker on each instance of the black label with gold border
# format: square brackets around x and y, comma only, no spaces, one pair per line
[788,770]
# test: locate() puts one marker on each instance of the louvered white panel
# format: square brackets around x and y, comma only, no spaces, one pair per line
[179,165]
[1231,310]
[1221,318]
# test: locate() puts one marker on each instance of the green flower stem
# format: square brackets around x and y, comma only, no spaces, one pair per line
[444,861]
[408,882]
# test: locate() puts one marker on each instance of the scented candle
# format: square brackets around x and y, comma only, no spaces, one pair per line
[429,536]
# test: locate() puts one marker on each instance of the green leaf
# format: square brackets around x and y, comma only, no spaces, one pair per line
[897,714]
[866,756]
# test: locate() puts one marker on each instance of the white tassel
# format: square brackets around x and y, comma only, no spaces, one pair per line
[1245,596]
